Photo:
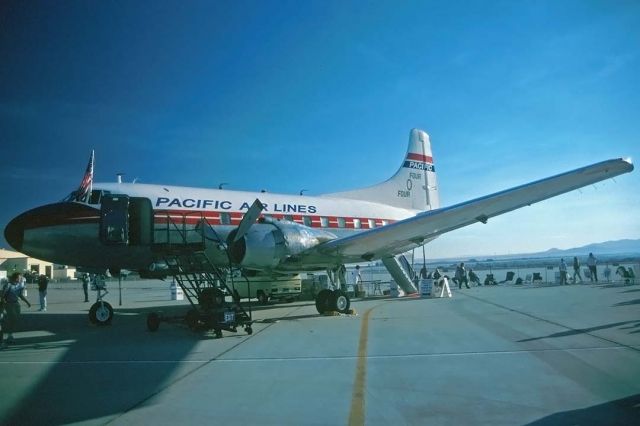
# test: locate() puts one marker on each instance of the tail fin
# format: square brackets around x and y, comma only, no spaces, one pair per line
[414,185]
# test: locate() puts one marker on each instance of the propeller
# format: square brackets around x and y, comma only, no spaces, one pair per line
[248,220]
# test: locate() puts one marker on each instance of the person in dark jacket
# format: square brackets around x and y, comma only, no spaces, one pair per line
[461,276]
[85,286]
[43,283]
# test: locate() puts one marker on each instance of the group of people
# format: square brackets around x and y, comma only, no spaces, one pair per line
[13,291]
[591,263]
[461,275]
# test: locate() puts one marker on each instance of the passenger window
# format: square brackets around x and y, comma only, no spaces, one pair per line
[341,222]
[225,219]
[306,220]
[288,217]
[324,222]
[385,222]
[356,223]
[372,223]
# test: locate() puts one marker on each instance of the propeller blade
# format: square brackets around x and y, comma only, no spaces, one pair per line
[249,219]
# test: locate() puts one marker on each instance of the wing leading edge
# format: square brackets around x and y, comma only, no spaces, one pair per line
[417,230]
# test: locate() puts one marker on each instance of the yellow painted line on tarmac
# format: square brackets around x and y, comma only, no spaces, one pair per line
[356,414]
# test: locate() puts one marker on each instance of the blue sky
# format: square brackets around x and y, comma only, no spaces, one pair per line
[321,95]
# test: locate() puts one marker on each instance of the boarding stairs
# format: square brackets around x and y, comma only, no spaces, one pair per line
[181,246]
[402,272]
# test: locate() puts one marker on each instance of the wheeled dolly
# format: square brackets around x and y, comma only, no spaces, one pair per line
[211,313]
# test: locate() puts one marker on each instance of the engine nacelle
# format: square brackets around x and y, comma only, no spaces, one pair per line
[269,243]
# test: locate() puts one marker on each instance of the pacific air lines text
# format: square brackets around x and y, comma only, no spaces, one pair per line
[191,203]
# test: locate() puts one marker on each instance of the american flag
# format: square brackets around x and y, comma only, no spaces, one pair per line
[82,194]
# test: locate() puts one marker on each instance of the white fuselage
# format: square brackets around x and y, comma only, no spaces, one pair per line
[69,233]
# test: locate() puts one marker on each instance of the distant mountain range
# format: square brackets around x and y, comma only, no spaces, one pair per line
[607,247]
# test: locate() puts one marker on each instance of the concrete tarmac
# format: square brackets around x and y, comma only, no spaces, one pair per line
[502,355]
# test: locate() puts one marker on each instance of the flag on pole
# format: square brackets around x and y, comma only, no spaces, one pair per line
[84,190]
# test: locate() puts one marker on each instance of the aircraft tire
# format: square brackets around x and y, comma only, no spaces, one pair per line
[101,313]
[153,321]
[323,301]
[248,329]
[92,313]
[340,301]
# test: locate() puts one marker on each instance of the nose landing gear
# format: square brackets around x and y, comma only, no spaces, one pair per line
[101,312]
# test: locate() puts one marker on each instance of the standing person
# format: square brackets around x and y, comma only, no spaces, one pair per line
[461,276]
[576,269]
[85,286]
[423,272]
[43,283]
[563,272]
[358,281]
[591,263]
[342,277]
[11,295]
[474,278]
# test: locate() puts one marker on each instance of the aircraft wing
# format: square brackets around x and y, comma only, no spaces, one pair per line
[403,235]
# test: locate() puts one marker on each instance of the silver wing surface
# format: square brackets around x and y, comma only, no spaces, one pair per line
[412,232]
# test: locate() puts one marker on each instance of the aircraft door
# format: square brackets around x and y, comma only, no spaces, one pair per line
[126,220]
[140,221]
[114,219]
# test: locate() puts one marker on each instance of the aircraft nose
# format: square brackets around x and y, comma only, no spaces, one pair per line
[14,232]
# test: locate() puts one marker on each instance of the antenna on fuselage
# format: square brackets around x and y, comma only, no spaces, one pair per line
[302,191]
[222,184]
[119,175]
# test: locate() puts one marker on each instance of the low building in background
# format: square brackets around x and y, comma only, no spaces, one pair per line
[11,261]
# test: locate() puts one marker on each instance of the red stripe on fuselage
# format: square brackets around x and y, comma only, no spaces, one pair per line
[193,217]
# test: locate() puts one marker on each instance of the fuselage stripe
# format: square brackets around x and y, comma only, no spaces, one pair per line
[193,217]
[420,157]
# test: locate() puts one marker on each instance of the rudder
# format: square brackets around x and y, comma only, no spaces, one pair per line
[413,186]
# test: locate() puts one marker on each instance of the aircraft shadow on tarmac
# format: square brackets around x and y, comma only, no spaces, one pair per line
[624,411]
[573,332]
[255,307]
[103,371]
[628,302]
[289,318]
[94,376]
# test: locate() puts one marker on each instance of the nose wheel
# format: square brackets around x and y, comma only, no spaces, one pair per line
[101,313]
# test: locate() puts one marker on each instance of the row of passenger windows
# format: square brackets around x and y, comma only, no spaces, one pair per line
[225,219]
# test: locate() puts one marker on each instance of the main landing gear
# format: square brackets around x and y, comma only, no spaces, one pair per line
[332,300]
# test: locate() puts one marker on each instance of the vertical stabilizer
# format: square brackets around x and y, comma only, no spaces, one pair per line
[413,186]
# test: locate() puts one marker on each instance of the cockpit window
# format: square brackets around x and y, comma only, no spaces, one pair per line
[70,197]
[95,197]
